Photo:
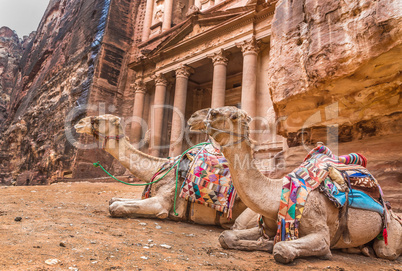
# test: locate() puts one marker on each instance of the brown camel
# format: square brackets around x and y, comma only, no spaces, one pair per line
[144,166]
[229,128]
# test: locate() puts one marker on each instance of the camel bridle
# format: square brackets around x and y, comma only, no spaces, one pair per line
[105,137]
[209,129]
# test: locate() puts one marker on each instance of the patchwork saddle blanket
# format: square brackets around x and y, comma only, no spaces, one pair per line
[313,173]
[208,181]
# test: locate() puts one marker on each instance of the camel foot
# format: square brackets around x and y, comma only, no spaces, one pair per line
[280,259]
[366,251]
[327,256]
[163,214]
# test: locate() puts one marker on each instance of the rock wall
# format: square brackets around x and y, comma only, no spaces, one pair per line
[11,50]
[56,75]
[74,66]
[335,77]
[110,93]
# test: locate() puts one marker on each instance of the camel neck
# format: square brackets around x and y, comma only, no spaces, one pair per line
[142,165]
[257,191]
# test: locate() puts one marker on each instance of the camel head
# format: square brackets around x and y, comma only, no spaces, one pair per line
[105,125]
[228,125]
[196,121]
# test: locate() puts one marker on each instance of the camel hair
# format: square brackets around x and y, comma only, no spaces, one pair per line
[144,166]
[229,126]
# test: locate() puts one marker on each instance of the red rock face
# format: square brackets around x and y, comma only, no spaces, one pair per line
[335,77]
[10,53]
[57,73]
[76,59]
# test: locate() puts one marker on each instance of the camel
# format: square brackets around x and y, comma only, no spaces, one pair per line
[108,130]
[229,128]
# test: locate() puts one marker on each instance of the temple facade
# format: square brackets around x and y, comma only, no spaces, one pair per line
[190,55]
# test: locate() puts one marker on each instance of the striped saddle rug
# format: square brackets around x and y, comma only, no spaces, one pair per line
[311,174]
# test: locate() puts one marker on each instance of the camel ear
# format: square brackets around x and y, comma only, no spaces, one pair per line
[249,119]
[94,120]
[116,121]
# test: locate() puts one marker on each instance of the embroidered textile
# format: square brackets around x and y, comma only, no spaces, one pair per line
[308,176]
[356,198]
[209,182]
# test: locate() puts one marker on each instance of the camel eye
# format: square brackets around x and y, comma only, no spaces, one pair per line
[233,117]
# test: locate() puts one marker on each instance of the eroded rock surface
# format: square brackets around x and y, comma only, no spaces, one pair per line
[335,77]
[11,50]
[56,72]
[70,69]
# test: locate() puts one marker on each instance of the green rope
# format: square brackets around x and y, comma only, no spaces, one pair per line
[97,164]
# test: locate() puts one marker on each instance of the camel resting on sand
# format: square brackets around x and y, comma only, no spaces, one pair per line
[319,224]
[108,130]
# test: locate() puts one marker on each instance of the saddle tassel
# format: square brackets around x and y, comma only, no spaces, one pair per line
[385,235]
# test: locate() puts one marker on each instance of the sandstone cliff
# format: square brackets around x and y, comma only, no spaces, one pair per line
[11,51]
[335,77]
[56,75]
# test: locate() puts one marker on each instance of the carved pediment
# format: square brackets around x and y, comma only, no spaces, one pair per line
[198,24]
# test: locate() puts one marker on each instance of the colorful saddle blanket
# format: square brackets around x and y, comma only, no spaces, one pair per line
[308,176]
[208,181]
[356,198]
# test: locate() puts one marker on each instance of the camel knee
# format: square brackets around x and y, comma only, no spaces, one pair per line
[113,200]
[117,210]
[226,238]
[284,253]
[385,251]
[163,214]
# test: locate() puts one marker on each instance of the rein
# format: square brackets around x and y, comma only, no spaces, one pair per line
[105,137]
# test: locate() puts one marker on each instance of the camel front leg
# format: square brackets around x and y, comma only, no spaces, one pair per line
[121,199]
[314,244]
[150,208]
[248,239]
[246,220]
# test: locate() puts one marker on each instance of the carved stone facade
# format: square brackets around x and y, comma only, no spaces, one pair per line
[300,68]
[218,47]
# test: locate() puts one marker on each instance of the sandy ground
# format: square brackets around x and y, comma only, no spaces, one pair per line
[70,222]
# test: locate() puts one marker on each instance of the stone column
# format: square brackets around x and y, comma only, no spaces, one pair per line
[136,128]
[146,30]
[250,49]
[167,15]
[178,120]
[219,79]
[157,114]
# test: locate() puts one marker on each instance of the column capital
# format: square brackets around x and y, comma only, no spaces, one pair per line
[251,46]
[184,71]
[219,58]
[160,79]
[138,87]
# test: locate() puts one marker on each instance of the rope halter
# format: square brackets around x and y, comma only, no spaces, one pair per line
[209,130]
[105,137]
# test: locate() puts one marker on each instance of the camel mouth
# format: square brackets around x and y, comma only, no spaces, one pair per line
[194,128]
[79,128]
